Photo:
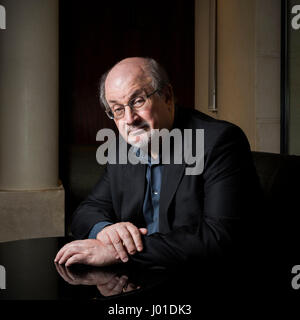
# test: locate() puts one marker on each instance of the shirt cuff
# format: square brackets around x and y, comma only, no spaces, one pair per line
[97,228]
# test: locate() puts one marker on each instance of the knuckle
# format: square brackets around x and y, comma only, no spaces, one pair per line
[116,241]
[118,224]
[105,231]
[105,239]
[132,228]
[135,232]
[125,235]
[129,224]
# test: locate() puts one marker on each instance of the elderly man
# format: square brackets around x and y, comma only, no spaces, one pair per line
[152,213]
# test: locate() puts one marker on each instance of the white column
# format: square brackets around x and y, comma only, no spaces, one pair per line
[29,119]
[29,95]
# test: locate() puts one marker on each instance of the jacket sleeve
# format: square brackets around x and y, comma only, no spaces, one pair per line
[230,186]
[97,207]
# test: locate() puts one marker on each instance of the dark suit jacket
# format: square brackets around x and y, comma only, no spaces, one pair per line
[201,216]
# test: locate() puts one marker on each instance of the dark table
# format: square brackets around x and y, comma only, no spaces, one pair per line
[28,273]
[31,274]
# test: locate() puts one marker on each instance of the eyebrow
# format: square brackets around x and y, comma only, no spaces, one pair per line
[133,95]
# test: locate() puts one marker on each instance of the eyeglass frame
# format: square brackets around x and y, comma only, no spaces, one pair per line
[110,113]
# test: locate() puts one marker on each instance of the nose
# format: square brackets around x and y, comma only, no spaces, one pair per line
[129,115]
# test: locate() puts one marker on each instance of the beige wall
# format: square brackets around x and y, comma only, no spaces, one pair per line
[294,88]
[248,64]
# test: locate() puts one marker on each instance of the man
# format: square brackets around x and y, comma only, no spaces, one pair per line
[156,214]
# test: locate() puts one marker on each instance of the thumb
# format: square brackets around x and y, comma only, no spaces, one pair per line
[143,231]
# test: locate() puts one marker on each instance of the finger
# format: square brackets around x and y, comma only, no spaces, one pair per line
[143,231]
[105,289]
[76,258]
[117,243]
[130,287]
[64,248]
[127,239]
[136,236]
[70,251]
[60,254]
[70,274]
[62,271]
[105,239]
[120,285]
[106,292]
[112,283]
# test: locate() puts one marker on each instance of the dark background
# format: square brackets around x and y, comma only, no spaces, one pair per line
[94,35]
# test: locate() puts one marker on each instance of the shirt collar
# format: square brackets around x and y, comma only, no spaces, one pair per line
[145,157]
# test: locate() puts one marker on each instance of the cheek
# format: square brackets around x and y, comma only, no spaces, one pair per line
[122,129]
[151,118]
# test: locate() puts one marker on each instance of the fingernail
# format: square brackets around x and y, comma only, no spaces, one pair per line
[140,248]
[125,259]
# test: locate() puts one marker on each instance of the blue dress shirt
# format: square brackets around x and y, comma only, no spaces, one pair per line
[151,200]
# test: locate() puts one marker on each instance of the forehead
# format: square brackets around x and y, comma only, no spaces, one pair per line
[122,81]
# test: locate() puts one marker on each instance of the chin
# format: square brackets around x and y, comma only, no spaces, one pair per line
[140,141]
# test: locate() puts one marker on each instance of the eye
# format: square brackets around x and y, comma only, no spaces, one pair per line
[138,102]
[117,109]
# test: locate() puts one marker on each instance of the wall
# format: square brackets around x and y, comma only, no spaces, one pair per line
[267,74]
[96,35]
[294,86]
[248,67]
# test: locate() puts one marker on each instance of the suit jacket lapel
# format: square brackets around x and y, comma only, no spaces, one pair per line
[172,174]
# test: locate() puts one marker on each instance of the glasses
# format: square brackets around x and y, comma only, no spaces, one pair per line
[117,111]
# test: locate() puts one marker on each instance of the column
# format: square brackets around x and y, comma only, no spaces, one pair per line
[267,74]
[31,197]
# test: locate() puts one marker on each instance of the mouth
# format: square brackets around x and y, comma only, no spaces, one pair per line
[138,131]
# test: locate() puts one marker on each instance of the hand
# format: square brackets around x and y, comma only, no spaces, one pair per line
[107,282]
[75,278]
[90,251]
[122,238]
[116,285]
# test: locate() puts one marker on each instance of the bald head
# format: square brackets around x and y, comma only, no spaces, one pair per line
[128,73]
[139,67]
[128,63]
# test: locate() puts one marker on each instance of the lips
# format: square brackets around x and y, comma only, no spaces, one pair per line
[138,131]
